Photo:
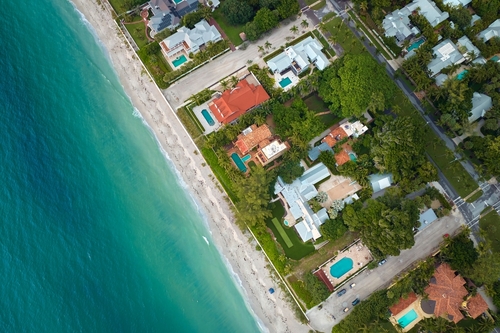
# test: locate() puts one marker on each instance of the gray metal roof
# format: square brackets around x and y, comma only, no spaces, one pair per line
[480,104]
[445,54]
[314,152]
[427,218]
[380,181]
[457,2]
[465,42]
[492,31]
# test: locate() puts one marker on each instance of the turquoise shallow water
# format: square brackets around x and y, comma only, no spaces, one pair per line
[97,235]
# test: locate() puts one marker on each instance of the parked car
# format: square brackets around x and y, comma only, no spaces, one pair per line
[382,262]
[341,292]
[355,302]
[346,309]
[352,285]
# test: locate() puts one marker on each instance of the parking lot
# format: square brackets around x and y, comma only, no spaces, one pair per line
[368,281]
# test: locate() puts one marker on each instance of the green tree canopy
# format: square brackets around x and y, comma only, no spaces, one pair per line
[460,252]
[460,16]
[486,269]
[237,12]
[333,229]
[358,82]
[265,20]
[491,155]
[290,170]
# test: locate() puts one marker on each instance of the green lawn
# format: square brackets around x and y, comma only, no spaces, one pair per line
[328,16]
[329,51]
[370,36]
[491,224]
[344,36]
[119,6]
[219,172]
[319,5]
[281,231]
[316,104]
[299,249]
[138,33]
[476,196]
[232,32]
[310,2]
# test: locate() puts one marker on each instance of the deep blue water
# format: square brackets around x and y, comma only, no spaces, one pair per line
[97,235]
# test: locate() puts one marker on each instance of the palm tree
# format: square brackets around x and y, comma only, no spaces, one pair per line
[261,48]
[234,81]
[260,119]
[268,45]
[294,29]
[363,6]
[224,84]
[304,24]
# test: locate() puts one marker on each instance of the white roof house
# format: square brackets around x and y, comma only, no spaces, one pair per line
[457,2]
[380,181]
[354,129]
[296,196]
[298,57]
[465,42]
[397,24]
[492,31]
[190,40]
[480,104]
[446,53]
[474,19]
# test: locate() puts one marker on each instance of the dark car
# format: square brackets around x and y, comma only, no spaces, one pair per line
[341,292]
[355,302]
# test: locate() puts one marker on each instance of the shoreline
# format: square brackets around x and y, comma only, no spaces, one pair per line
[246,265]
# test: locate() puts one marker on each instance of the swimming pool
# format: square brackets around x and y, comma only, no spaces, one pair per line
[415,45]
[462,74]
[177,1]
[352,157]
[179,61]
[495,58]
[245,158]
[239,162]
[408,318]
[207,117]
[340,268]
[285,82]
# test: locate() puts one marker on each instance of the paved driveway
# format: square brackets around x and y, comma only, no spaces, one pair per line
[426,243]
[229,64]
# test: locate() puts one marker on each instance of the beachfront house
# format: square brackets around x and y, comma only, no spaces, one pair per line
[234,102]
[492,31]
[186,41]
[446,53]
[167,14]
[480,104]
[397,24]
[295,197]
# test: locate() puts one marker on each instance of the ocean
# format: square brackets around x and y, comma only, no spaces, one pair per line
[98,233]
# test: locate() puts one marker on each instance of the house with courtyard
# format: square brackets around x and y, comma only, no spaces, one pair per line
[469,50]
[295,197]
[167,14]
[234,102]
[397,24]
[492,31]
[186,41]
[481,103]
[446,54]
[296,59]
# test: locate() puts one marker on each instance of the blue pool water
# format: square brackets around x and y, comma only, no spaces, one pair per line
[207,117]
[408,318]
[246,158]
[352,157]
[239,163]
[415,45]
[462,74]
[495,58]
[179,61]
[177,1]
[285,82]
[341,267]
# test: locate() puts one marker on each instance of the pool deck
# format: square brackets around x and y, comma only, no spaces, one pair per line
[208,129]
[360,255]
[177,55]
[278,77]
[413,306]
[337,188]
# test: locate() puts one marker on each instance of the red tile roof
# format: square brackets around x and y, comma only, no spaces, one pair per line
[245,143]
[403,303]
[447,290]
[322,276]
[342,157]
[235,102]
[334,136]
[476,305]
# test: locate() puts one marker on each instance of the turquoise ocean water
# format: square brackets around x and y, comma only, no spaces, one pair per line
[97,235]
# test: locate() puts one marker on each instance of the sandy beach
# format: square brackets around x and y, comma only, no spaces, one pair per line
[250,265]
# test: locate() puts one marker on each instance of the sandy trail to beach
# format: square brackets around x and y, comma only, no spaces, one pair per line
[249,264]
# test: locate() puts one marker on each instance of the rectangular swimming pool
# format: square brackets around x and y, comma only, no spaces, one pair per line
[285,82]
[408,318]
[207,117]
[239,162]
[179,61]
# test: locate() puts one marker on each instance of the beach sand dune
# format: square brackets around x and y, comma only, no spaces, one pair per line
[250,265]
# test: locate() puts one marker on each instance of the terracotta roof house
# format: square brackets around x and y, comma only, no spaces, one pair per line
[251,137]
[235,102]
[403,304]
[335,136]
[446,293]
[476,306]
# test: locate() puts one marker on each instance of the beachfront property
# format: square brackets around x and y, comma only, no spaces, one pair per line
[346,264]
[177,47]
[397,24]
[268,147]
[492,31]
[295,59]
[380,181]
[481,103]
[167,14]
[445,53]
[234,102]
[295,197]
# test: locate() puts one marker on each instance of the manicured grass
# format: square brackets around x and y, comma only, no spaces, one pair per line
[370,36]
[344,36]
[219,172]
[319,5]
[119,6]
[232,31]
[299,249]
[190,122]
[316,104]
[328,16]
[327,49]
[281,231]
[138,33]
[490,223]
[310,2]
[476,196]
